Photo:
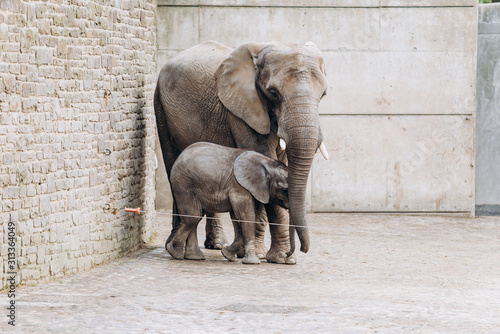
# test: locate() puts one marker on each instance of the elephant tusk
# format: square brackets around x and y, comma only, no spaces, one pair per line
[282,144]
[323,150]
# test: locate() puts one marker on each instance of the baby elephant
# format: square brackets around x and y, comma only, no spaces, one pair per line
[212,178]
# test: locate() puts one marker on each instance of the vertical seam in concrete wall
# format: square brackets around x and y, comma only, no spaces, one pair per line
[199,25]
[473,170]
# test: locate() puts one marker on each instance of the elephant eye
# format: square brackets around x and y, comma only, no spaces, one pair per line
[274,94]
[324,93]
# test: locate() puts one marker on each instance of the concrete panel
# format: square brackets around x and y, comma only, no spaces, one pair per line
[489,13]
[330,29]
[395,163]
[400,83]
[177,28]
[488,113]
[422,29]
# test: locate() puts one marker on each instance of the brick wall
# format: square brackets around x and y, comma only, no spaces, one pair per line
[77,131]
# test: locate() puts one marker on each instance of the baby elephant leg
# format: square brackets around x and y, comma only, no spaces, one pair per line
[176,244]
[248,233]
[216,238]
[189,216]
[243,211]
[193,251]
[230,251]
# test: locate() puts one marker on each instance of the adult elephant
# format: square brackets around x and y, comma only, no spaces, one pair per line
[250,97]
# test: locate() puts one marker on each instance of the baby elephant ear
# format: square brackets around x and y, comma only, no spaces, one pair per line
[251,174]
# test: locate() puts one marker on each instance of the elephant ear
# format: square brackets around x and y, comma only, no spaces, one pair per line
[236,87]
[251,174]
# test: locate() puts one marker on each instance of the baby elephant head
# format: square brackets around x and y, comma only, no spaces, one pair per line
[264,178]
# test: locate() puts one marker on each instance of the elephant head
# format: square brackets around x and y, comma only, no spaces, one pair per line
[264,178]
[278,87]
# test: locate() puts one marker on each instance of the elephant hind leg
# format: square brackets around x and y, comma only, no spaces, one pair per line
[181,243]
[193,251]
[179,246]
[170,153]
[215,236]
[176,222]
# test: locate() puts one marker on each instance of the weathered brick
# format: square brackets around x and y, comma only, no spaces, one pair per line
[45,208]
[11,5]
[8,83]
[74,52]
[47,152]
[4,32]
[31,190]
[44,56]
[55,267]
[11,192]
[8,159]
[44,26]
[29,38]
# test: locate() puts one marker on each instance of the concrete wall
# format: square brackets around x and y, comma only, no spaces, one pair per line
[488,111]
[76,132]
[399,115]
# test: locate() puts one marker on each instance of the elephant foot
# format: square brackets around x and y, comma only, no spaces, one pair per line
[279,256]
[231,256]
[176,250]
[251,259]
[194,254]
[216,240]
[261,251]
[240,253]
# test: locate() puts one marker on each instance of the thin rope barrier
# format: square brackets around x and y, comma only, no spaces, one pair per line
[324,228]
[240,220]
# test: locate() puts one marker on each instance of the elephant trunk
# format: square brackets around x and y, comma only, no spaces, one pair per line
[303,137]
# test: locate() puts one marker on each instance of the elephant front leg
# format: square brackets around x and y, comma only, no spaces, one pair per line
[280,236]
[215,236]
[232,250]
[248,233]
[244,235]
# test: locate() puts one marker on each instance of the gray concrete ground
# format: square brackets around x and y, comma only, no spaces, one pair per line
[364,274]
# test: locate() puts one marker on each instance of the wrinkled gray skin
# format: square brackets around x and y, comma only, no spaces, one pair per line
[248,98]
[211,178]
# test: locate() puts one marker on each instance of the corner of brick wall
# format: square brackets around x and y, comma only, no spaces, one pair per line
[77,132]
